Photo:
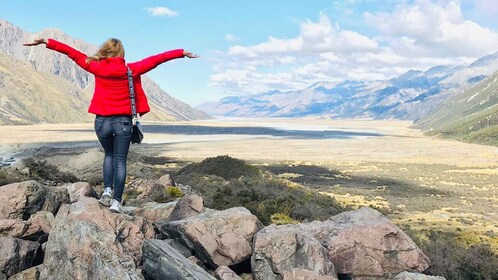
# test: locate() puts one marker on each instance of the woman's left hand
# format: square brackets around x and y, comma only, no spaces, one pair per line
[35,43]
[190,55]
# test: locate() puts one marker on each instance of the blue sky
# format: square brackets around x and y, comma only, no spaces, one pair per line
[252,46]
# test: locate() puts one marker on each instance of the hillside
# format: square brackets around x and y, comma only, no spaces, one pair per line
[471,116]
[56,80]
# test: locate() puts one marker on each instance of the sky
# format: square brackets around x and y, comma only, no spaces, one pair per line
[253,46]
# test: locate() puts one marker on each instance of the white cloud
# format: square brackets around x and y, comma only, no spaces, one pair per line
[414,35]
[161,11]
[230,37]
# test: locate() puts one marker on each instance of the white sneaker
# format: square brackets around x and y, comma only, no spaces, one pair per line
[105,199]
[116,207]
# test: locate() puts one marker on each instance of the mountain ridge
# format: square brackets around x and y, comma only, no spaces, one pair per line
[163,106]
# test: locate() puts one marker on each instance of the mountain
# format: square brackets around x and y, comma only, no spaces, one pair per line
[408,96]
[471,116]
[38,85]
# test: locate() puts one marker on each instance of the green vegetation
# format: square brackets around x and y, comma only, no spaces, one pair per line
[10,175]
[174,192]
[236,183]
[451,259]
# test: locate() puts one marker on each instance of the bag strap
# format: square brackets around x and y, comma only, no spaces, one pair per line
[132,95]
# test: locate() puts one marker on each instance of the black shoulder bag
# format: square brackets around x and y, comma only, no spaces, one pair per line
[137,134]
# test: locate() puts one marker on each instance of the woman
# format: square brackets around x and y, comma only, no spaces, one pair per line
[111,104]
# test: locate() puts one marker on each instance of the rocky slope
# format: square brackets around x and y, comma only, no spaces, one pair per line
[51,78]
[470,116]
[61,232]
[409,96]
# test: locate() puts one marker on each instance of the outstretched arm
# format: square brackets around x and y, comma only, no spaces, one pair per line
[75,55]
[145,65]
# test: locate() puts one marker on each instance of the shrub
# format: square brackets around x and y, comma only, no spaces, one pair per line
[43,170]
[174,192]
[222,166]
[282,219]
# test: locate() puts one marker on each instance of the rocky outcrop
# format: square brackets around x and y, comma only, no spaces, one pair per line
[290,252]
[161,261]
[20,200]
[16,254]
[188,206]
[153,211]
[216,237]
[364,242]
[36,228]
[87,242]
[79,189]
[55,197]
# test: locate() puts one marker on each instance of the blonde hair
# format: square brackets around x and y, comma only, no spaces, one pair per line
[110,48]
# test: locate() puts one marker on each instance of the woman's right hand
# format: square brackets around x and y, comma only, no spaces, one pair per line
[190,55]
[35,43]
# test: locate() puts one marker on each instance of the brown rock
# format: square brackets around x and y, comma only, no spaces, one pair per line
[16,254]
[188,206]
[216,237]
[13,227]
[364,242]
[166,180]
[36,228]
[20,200]
[79,189]
[225,273]
[289,251]
[32,273]
[55,197]
[146,190]
[87,242]
[153,211]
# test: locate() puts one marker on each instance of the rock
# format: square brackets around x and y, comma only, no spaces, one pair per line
[32,273]
[13,227]
[289,251]
[87,242]
[148,190]
[20,200]
[80,189]
[40,225]
[188,206]
[303,274]
[161,261]
[225,273]
[153,211]
[55,197]
[166,180]
[179,247]
[416,276]
[216,237]
[364,242]
[16,254]
[3,276]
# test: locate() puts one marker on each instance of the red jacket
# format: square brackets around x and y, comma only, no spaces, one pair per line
[111,95]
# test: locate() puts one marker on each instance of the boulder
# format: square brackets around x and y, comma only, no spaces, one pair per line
[216,237]
[161,261]
[153,211]
[35,229]
[225,273]
[3,276]
[166,180]
[289,252]
[188,206]
[87,242]
[79,189]
[16,254]
[364,242]
[147,190]
[55,197]
[20,200]
[32,273]
[416,276]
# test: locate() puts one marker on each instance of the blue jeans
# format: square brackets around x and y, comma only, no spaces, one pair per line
[114,133]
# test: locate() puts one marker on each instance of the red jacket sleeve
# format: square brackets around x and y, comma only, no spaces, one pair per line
[149,63]
[77,56]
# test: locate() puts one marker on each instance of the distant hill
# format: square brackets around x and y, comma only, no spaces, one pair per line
[471,116]
[408,97]
[42,86]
